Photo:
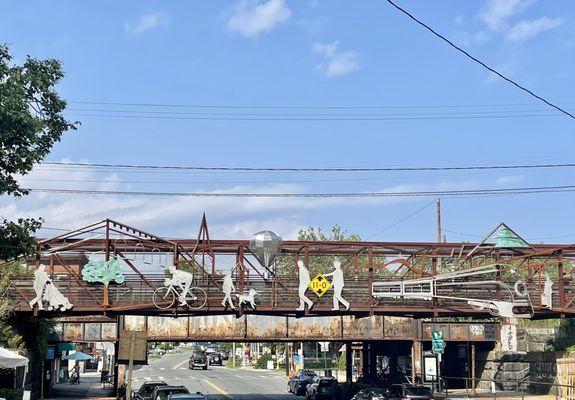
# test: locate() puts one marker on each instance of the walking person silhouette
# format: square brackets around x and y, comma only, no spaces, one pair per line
[338,283]
[304,280]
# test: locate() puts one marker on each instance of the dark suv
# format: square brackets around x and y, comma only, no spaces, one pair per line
[298,383]
[198,360]
[162,392]
[145,391]
[399,392]
[322,388]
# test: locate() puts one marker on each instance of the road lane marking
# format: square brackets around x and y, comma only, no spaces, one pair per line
[178,365]
[219,389]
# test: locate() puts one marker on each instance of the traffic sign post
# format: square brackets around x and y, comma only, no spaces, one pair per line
[437,347]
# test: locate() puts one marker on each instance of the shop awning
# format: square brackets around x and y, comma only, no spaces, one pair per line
[11,359]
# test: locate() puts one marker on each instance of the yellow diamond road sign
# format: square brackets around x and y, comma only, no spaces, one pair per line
[320,284]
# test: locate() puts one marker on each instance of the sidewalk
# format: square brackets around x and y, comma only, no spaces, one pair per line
[89,387]
[462,394]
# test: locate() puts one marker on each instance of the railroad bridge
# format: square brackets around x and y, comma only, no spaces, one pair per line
[389,296]
[507,278]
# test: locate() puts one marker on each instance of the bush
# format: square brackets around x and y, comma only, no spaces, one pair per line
[230,362]
[262,362]
[12,394]
[341,362]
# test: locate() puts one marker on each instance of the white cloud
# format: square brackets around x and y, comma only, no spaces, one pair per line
[509,179]
[495,13]
[524,30]
[336,63]
[250,20]
[147,22]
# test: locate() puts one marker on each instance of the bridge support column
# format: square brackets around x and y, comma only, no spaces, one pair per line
[372,362]
[348,363]
[415,360]
[364,360]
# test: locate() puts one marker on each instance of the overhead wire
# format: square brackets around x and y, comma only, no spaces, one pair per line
[482,63]
[393,225]
[311,169]
[262,118]
[301,106]
[453,193]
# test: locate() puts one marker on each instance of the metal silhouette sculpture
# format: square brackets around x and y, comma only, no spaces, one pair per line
[228,288]
[304,281]
[427,289]
[46,291]
[265,246]
[179,287]
[248,299]
[547,298]
[103,272]
[338,283]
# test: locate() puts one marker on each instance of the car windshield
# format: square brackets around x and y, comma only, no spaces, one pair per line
[163,395]
[417,391]
[150,388]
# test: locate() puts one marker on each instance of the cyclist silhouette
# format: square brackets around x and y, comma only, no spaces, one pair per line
[182,279]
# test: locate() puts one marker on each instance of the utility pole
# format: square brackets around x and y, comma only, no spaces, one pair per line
[438,208]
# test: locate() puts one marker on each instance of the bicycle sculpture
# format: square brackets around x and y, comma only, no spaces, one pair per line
[179,287]
[427,289]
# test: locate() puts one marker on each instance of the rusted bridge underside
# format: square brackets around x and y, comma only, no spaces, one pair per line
[145,257]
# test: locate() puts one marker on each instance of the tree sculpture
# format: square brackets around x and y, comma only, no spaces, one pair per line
[103,272]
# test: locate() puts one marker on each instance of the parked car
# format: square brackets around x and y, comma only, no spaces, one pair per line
[162,392]
[145,391]
[298,383]
[403,392]
[215,359]
[370,394]
[322,388]
[198,360]
[156,352]
[189,396]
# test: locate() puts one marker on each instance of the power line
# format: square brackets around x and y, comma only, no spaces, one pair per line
[483,64]
[198,118]
[454,193]
[315,115]
[400,220]
[287,107]
[311,169]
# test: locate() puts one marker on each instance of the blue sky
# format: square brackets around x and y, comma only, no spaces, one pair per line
[305,53]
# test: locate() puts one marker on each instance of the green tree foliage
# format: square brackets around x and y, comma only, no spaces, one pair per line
[336,234]
[285,264]
[31,122]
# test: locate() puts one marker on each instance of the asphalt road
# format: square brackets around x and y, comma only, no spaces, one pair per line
[217,383]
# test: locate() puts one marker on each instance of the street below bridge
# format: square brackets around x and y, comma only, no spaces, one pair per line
[217,382]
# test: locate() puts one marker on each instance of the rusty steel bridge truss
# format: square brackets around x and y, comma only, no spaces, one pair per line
[414,279]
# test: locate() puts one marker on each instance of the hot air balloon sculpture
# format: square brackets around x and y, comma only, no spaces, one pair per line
[265,246]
